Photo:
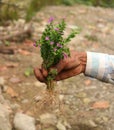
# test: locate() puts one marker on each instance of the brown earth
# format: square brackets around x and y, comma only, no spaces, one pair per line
[85,103]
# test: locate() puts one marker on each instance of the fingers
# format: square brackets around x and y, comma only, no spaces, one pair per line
[69,73]
[39,75]
[44,72]
[66,64]
[69,62]
[72,63]
[60,66]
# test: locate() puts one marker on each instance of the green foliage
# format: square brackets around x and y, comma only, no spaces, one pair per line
[33,7]
[7,43]
[68,2]
[8,12]
[36,5]
[52,74]
[87,2]
[91,38]
[53,46]
[28,72]
[103,3]
[12,8]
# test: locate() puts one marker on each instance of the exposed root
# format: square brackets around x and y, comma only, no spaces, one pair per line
[49,101]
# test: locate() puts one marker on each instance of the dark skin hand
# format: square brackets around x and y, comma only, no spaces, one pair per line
[66,68]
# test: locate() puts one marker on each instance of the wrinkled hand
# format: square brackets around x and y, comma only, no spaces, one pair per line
[66,68]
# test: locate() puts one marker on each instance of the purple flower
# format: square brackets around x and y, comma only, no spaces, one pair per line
[47,38]
[51,19]
[59,45]
[64,18]
[55,49]
[57,29]
[51,43]
[65,55]
[34,44]
[39,45]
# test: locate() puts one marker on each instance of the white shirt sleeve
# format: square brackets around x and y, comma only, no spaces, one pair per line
[100,66]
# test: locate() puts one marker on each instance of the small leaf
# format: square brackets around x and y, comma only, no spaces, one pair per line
[28,72]
[7,43]
[86,100]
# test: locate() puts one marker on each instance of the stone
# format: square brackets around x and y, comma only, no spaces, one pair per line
[50,128]
[60,126]
[61,97]
[24,101]
[2,81]
[2,100]
[2,84]
[24,122]
[81,95]
[4,88]
[67,125]
[39,84]
[4,118]
[86,101]
[15,106]
[105,119]
[0,91]
[15,80]
[38,98]
[72,26]
[92,123]
[48,118]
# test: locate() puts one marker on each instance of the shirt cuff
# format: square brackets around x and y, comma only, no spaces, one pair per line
[97,66]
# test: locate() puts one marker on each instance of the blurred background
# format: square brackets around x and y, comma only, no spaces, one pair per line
[15,9]
[82,103]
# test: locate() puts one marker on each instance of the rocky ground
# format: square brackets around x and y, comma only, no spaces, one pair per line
[80,103]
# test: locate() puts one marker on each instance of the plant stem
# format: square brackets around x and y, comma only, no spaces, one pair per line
[50,85]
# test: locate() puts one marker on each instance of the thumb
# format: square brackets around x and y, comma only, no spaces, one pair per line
[38,75]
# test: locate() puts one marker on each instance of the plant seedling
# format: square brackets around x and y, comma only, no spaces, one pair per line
[53,47]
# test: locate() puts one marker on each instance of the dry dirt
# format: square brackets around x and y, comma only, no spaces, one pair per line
[78,94]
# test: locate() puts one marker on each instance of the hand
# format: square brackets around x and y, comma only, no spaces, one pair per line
[66,68]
